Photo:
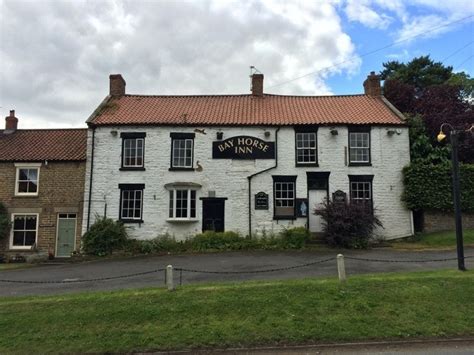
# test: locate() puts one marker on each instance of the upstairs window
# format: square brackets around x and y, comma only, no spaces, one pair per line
[182,151]
[359,146]
[131,203]
[284,194]
[27,179]
[306,146]
[133,151]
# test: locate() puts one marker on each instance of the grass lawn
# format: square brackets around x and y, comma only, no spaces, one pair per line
[436,240]
[423,304]
[11,266]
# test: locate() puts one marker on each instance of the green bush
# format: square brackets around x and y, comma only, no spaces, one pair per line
[429,187]
[104,237]
[294,238]
[348,225]
[5,223]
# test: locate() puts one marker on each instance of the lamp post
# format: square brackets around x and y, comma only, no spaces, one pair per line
[454,134]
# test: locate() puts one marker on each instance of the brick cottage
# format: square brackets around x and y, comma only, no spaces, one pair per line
[253,163]
[42,186]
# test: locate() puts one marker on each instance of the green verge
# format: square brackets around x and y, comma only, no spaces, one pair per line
[369,307]
[436,240]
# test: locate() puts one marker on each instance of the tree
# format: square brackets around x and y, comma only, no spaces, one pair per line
[432,91]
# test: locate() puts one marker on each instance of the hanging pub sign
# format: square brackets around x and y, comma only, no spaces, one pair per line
[243,147]
[261,201]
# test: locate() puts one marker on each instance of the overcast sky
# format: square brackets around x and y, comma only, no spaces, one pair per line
[55,56]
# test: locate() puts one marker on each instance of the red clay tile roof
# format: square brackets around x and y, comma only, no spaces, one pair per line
[245,110]
[43,144]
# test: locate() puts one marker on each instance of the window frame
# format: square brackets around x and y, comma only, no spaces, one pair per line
[305,130]
[131,187]
[172,208]
[12,232]
[284,179]
[20,166]
[182,136]
[359,129]
[136,136]
[362,179]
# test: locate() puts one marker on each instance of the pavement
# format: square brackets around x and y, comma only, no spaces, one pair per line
[228,261]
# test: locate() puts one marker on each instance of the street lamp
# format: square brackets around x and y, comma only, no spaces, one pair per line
[454,133]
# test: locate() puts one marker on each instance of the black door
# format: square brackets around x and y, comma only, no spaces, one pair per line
[213,214]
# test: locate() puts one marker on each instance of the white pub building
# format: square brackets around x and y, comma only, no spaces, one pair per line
[249,163]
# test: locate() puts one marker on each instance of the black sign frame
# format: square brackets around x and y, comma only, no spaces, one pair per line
[299,203]
[261,201]
[243,148]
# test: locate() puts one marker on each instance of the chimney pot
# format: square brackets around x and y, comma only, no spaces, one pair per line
[257,84]
[372,85]
[11,123]
[117,85]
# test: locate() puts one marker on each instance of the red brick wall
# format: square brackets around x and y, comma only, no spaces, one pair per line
[435,221]
[61,189]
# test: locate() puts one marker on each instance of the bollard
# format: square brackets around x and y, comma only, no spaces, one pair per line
[169,278]
[341,269]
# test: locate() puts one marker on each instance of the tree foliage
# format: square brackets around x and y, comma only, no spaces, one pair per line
[432,91]
[5,223]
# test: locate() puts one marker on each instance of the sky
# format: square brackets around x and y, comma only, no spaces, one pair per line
[56,56]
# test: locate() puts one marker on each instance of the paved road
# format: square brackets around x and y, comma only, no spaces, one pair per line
[231,261]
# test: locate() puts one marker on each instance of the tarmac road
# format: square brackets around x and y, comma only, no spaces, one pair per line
[229,261]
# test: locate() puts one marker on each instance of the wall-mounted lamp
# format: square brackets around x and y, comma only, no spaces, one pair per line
[333,131]
[113,133]
[267,134]
[219,135]
[392,131]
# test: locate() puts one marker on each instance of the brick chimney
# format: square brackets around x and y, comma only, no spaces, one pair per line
[117,85]
[372,85]
[257,84]
[11,123]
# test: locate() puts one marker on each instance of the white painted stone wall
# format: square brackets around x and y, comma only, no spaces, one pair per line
[228,178]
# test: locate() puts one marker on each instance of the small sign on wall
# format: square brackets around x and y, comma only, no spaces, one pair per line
[339,197]
[302,207]
[261,201]
[243,147]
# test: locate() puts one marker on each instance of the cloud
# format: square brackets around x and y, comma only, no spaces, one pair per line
[56,55]
[361,11]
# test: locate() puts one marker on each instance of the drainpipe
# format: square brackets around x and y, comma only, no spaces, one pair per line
[90,180]
[258,173]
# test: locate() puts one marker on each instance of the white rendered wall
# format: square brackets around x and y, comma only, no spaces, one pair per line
[228,178]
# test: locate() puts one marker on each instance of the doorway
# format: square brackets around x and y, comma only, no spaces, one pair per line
[318,192]
[66,238]
[213,211]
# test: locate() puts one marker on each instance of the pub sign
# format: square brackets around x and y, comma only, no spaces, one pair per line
[243,147]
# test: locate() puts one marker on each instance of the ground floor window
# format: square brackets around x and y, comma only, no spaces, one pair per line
[284,191]
[131,202]
[361,189]
[182,204]
[24,230]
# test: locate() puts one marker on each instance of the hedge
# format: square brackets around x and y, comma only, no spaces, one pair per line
[429,187]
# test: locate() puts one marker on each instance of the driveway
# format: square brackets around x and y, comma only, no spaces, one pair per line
[229,262]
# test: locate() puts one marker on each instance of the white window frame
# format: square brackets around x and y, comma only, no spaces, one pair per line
[27,247]
[303,147]
[290,202]
[366,186]
[20,166]
[355,148]
[124,158]
[174,140]
[140,218]
[173,200]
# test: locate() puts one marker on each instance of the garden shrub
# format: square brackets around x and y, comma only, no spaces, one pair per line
[429,187]
[348,225]
[104,237]
[5,223]
[294,238]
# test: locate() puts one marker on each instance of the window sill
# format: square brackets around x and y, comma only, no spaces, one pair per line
[360,164]
[182,220]
[131,221]
[181,169]
[129,168]
[284,217]
[28,248]
[26,195]
[302,165]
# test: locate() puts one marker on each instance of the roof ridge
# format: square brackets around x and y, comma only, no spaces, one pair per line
[241,95]
[48,129]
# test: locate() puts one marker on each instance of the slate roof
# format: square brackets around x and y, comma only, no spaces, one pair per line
[44,144]
[245,110]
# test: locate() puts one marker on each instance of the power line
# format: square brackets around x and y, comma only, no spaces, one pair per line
[464,61]
[457,51]
[371,52]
